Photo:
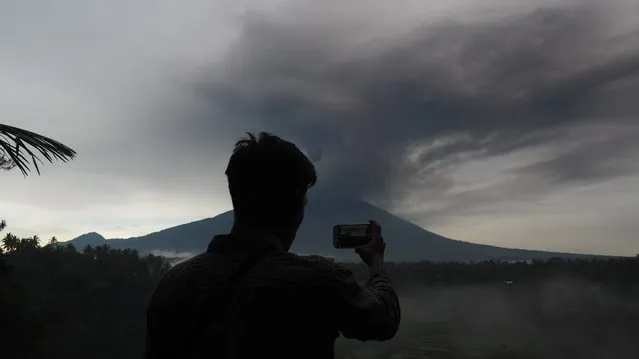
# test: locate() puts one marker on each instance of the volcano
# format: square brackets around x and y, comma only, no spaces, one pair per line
[406,242]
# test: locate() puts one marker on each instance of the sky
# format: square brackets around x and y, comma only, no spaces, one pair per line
[513,123]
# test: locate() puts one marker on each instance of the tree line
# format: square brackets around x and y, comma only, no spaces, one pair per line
[613,271]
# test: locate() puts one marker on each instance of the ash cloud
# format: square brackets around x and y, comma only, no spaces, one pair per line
[386,115]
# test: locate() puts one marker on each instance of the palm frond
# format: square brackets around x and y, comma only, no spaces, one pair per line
[17,144]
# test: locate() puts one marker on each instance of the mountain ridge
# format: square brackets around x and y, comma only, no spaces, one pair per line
[407,242]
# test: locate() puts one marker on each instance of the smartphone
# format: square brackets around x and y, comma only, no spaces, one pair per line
[351,235]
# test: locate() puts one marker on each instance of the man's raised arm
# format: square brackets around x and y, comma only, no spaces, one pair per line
[371,311]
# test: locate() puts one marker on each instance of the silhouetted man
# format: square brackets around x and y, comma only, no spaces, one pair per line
[247,296]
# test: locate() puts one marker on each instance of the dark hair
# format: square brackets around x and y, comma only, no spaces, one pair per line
[268,177]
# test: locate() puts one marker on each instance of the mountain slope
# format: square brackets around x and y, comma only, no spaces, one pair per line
[406,241]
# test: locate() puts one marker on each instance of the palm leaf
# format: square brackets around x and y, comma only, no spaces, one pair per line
[17,144]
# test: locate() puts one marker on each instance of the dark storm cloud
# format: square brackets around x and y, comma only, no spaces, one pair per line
[463,90]
[591,161]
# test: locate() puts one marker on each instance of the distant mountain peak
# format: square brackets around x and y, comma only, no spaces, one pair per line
[88,239]
[95,235]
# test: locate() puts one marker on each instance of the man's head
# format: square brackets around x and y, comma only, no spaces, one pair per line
[268,180]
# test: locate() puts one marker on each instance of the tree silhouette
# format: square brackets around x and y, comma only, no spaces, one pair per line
[17,145]
[3,225]
[11,242]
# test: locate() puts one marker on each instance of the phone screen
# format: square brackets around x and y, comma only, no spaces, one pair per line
[351,235]
[354,231]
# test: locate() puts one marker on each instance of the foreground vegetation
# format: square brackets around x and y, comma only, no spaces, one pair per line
[57,302]
[60,302]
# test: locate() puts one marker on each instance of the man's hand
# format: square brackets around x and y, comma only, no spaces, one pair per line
[372,253]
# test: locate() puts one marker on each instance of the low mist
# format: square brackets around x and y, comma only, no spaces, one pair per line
[559,318]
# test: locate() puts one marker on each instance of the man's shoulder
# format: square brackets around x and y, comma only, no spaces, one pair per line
[197,265]
[195,261]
